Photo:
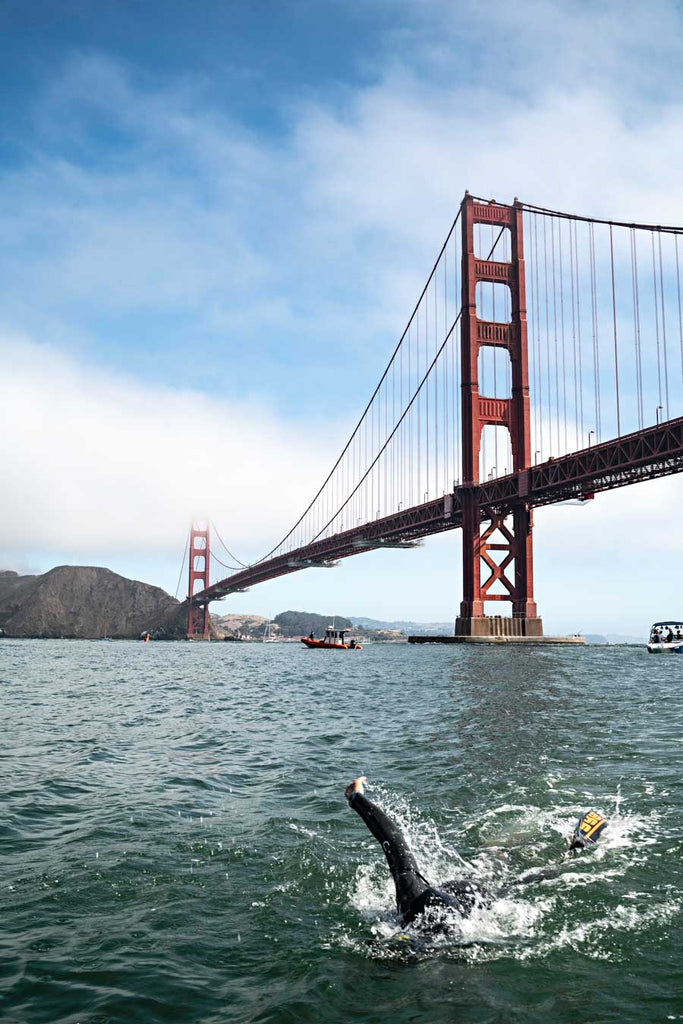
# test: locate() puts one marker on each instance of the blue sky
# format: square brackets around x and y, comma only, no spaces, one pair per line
[206,208]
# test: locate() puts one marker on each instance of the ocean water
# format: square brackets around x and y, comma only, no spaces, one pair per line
[176,845]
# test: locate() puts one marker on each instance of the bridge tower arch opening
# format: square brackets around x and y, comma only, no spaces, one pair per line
[497,540]
[198,614]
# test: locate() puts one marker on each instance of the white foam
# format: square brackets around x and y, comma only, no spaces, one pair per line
[521,924]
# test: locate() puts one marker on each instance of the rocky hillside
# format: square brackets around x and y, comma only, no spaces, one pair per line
[240,627]
[285,626]
[86,602]
[291,625]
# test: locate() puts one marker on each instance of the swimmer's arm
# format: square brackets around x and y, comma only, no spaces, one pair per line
[541,874]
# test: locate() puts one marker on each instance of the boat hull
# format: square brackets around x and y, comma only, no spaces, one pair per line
[674,648]
[320,645]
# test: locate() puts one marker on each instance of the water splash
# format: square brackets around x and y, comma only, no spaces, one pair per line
[534,911]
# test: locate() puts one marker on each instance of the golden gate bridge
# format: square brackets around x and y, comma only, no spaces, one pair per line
[543,361]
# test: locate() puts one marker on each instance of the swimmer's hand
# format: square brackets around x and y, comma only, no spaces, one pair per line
[357,786]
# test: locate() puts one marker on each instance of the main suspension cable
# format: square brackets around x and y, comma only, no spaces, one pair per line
[367,407]
[234,557]
[664,228]
[182,566]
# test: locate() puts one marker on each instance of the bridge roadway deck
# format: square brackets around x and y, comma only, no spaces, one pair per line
[646,454]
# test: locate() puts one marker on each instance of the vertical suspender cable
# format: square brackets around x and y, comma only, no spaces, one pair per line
[578,328]
[426,397]
[614,328]
[388,458]
[538,340]
[636,327]
[449,354]
[659,362]
[418,418]
[680,318]
[557,360]
[572,224]
[411,429]
[391,504]
[564,360]
[354,478]
[530,334]
[371,474]
[373,449]
[596,336]
[666,359]
[457,396]
[547,333]
[402,438]
[436,389]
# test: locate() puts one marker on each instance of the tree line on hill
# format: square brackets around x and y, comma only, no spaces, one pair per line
[292,623]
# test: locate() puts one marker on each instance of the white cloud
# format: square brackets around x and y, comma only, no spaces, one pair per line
[187,211]
[96,462]
[113,469]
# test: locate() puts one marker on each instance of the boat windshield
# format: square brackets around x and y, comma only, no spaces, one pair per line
[665,632]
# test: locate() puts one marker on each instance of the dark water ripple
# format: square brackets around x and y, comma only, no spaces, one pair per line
[176,846]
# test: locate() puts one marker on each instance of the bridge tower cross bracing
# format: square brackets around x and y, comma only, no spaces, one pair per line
[510,529]
[198,614]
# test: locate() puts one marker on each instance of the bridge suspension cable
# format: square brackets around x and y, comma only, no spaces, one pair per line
[240,564]
[356,459]
[602,314]
[666,228]
[182,566]
[588,284]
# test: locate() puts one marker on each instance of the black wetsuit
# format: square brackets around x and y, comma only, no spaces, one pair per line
[414,894]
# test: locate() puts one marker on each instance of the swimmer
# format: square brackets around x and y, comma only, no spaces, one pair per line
[414,894]
[587,832]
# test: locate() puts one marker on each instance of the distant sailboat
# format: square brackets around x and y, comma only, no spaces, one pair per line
[268,638]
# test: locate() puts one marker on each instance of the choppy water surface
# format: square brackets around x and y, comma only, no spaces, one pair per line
[177,847]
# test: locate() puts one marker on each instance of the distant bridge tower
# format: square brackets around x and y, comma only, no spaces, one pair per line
[510,528]
[198,614]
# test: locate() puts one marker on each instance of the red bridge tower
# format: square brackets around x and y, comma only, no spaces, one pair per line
[198,614]
[509,529]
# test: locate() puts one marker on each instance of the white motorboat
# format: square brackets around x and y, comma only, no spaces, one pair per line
[334,641]
[666,637]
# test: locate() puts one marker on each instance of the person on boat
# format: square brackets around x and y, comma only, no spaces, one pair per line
[414,894]
[670,635]
[311,635]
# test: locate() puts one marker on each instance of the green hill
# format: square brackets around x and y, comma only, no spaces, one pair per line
[301,623]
